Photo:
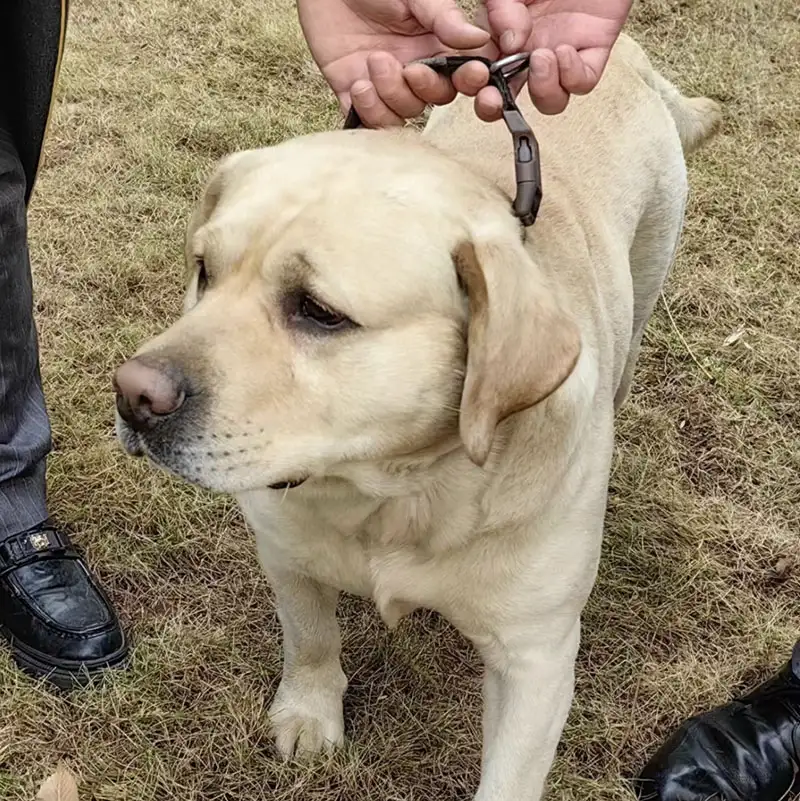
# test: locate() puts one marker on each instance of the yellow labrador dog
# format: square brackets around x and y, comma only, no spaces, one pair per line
[411,397]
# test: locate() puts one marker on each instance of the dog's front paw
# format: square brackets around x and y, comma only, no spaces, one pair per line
[305,721]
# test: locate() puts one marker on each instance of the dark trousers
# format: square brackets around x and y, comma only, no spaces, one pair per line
[31,41]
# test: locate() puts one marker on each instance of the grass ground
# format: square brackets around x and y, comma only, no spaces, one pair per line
[699,586]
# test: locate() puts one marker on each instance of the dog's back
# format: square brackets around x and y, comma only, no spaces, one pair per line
[614,182]
[610,117]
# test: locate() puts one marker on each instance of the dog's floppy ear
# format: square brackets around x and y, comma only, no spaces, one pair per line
[521,346]
[223,174]
[212,192]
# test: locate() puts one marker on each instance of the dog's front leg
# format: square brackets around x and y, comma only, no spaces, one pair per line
[306,715]
[528,690]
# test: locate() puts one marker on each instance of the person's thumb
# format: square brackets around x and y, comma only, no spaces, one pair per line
[448,23]
[510,24]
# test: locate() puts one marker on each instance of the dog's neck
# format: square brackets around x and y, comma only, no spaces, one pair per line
[402,475]
[427,500]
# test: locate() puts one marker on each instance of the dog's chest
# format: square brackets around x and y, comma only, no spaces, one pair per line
[394,551]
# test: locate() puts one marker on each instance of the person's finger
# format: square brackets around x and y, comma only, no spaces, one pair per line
[428,85]
[471,78]
[510,23]
[448,22]
[386,74]
[489,104]
[543,83]
[491,49]
[374,113]
[345,101]
[592,64]
[573,75]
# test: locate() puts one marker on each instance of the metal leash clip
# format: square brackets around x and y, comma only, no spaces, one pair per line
[526,148]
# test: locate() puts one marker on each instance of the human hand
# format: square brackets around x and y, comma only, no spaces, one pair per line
[570,42]
[362,45]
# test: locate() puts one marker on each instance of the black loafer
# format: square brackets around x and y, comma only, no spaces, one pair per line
[748,750]
[58,621]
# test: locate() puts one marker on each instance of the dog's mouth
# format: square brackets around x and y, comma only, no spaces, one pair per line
[135,444]
[130,441]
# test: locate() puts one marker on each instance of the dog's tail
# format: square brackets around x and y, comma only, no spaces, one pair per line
[59,787]
[696,118]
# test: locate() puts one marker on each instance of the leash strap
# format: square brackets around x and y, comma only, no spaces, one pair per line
[526,148]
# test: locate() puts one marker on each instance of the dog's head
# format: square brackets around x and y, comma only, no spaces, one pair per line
[350,297]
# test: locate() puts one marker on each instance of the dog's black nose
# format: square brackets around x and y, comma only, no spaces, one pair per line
[147,393]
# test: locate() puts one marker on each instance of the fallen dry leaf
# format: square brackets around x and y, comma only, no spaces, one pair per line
[735,337]
[60,786]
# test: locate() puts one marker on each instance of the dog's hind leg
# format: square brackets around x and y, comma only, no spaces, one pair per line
[653,250]
[651,256]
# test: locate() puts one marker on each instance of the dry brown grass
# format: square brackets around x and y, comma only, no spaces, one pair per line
[699,586]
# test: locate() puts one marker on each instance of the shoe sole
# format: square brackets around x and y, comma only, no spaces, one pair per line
[65,678]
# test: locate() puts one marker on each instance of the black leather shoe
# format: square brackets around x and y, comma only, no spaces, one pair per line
[748,750]
[58,621]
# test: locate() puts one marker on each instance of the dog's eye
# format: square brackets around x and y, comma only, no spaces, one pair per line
[313,311]
[202,275]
